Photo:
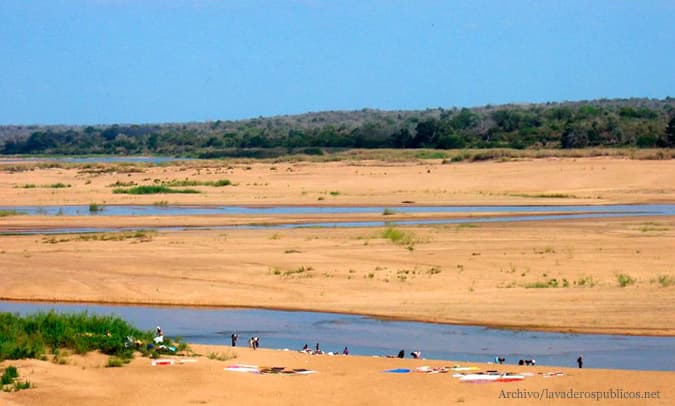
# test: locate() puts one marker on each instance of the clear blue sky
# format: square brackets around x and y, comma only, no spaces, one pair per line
[140,61]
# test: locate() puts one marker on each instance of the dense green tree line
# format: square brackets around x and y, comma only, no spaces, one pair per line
[643,123]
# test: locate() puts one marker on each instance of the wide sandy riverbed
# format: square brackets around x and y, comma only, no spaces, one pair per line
[556,275]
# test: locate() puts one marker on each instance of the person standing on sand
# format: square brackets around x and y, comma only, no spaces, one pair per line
[580,361]
[234,337]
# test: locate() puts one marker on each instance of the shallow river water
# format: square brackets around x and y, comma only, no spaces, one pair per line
[473,214]
[376,337]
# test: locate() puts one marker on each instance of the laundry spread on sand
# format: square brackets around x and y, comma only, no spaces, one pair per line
[492,376]
[254,369]
[397,371]
[431,370]
[156,362]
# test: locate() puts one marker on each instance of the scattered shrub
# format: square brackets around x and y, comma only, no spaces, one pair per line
[9,375]
[152,189]
[624,280]
[95,208]
[666,280]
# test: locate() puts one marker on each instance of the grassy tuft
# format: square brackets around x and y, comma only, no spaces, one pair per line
[152,189]
[95,208]
[7,213]
[625,280]
[666,280]
[227,355]
[551,283]
[9,375]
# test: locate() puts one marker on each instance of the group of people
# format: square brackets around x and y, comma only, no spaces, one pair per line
[254,343]
[317,350]
[401,354]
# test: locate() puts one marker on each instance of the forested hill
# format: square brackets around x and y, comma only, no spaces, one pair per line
[643,123]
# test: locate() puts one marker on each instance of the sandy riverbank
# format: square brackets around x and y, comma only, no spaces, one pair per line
[339,380]
[491,274]
[601,180]
[555,275]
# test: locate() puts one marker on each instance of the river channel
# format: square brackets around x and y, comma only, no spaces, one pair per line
[474,214]
[376,337]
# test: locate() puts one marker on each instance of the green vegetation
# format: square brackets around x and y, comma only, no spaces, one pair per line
[122,184]
[7,213]
[95,208]
[116,362]
[666,280]
[434,270]
[291,272]
[225,356]
[388,212]
[545,195]
[31,336]
[152,189]
[625,280]
[400,237]
[465,225]
[616,123]
[186,182]
[58,185]
[431,155]
[652,226]
[9,375]
[9,380]
[161,203]
[140,235]
[551,283]
[586,281]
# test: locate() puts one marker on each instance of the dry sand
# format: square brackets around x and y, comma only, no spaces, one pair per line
[579,181]
[340,381]
[481,274]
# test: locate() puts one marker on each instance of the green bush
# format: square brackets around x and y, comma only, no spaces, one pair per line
[624,280]
[152,189]
[95,208]
[58,185]
[666,280]
[9,375]
[31,336]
